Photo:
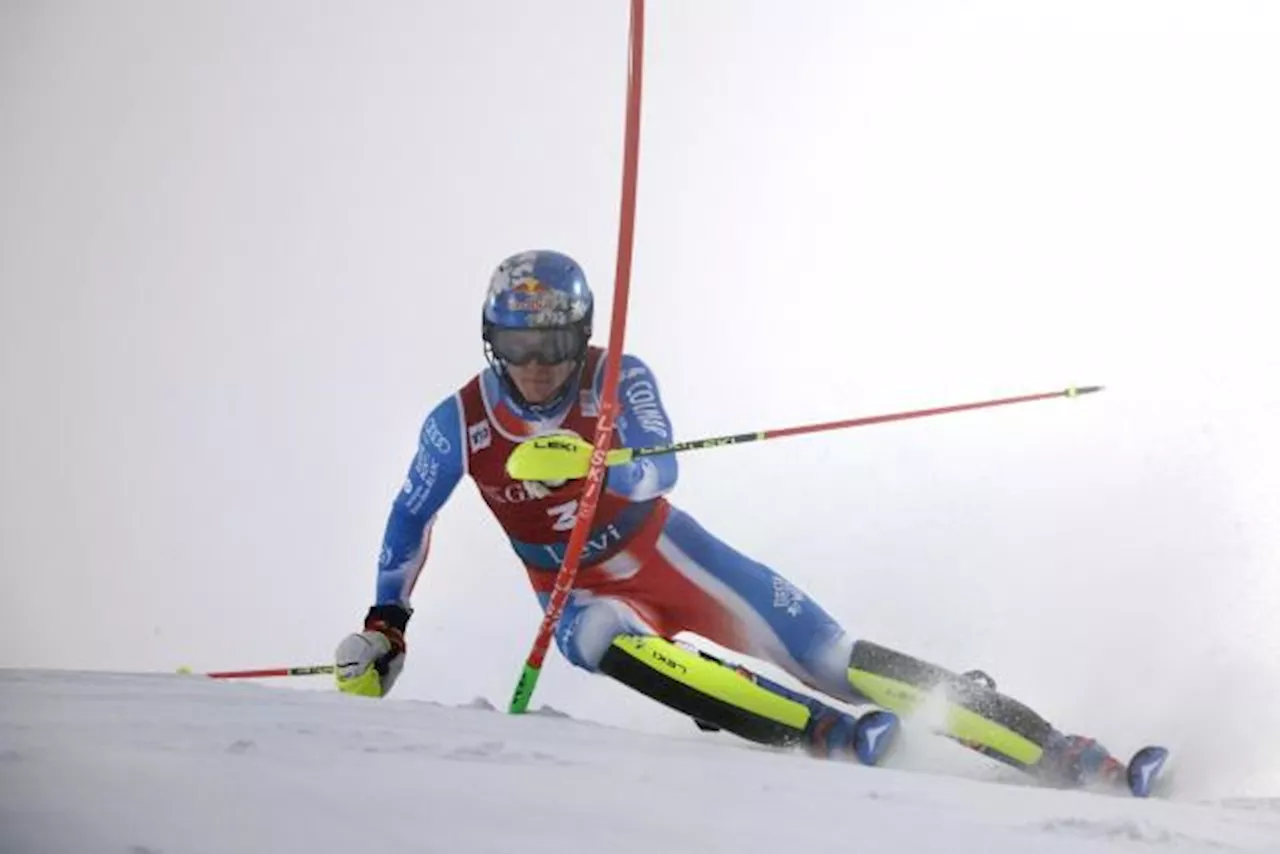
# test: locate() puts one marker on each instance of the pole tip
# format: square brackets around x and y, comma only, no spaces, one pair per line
[524,689]
[1077,390]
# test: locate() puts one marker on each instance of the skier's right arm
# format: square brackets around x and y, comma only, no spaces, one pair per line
[369,661]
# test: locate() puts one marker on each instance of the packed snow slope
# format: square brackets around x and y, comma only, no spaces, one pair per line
[140,764]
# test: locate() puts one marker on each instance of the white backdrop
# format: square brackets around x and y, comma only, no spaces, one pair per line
[243,247]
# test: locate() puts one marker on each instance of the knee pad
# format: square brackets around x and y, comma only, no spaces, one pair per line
[705,689]
[970,712]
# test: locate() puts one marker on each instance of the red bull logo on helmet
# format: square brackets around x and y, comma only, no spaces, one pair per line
[528,285]
[530,294]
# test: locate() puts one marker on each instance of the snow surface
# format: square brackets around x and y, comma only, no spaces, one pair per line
[142,764]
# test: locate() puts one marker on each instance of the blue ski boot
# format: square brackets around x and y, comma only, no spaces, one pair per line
[832,734]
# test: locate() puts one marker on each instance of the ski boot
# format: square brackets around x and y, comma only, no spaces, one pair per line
[832,734]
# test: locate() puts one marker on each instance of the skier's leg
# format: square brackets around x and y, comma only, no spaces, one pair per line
[775,621]
[973,713]
[748,607]
[608,635]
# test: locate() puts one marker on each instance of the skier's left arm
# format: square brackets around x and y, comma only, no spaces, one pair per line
[642,422]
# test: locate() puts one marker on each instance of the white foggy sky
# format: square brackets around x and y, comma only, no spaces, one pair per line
[243,247]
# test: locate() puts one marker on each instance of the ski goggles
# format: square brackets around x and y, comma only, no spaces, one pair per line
[544,346]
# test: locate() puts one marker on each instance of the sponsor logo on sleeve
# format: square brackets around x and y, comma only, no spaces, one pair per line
[432,433]
[480,436]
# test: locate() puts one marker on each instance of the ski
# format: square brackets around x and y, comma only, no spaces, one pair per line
[1146,774]
[874,735]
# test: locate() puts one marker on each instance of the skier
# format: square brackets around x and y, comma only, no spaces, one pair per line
[649,571]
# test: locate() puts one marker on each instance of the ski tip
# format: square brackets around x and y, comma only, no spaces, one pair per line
[874,735]
[1144,771]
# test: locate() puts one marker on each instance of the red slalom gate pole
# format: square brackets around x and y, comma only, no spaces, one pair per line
[609,403]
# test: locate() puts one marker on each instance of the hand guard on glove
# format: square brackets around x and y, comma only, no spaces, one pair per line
[367,663]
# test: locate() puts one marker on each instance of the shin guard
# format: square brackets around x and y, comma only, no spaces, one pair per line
[972,713]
